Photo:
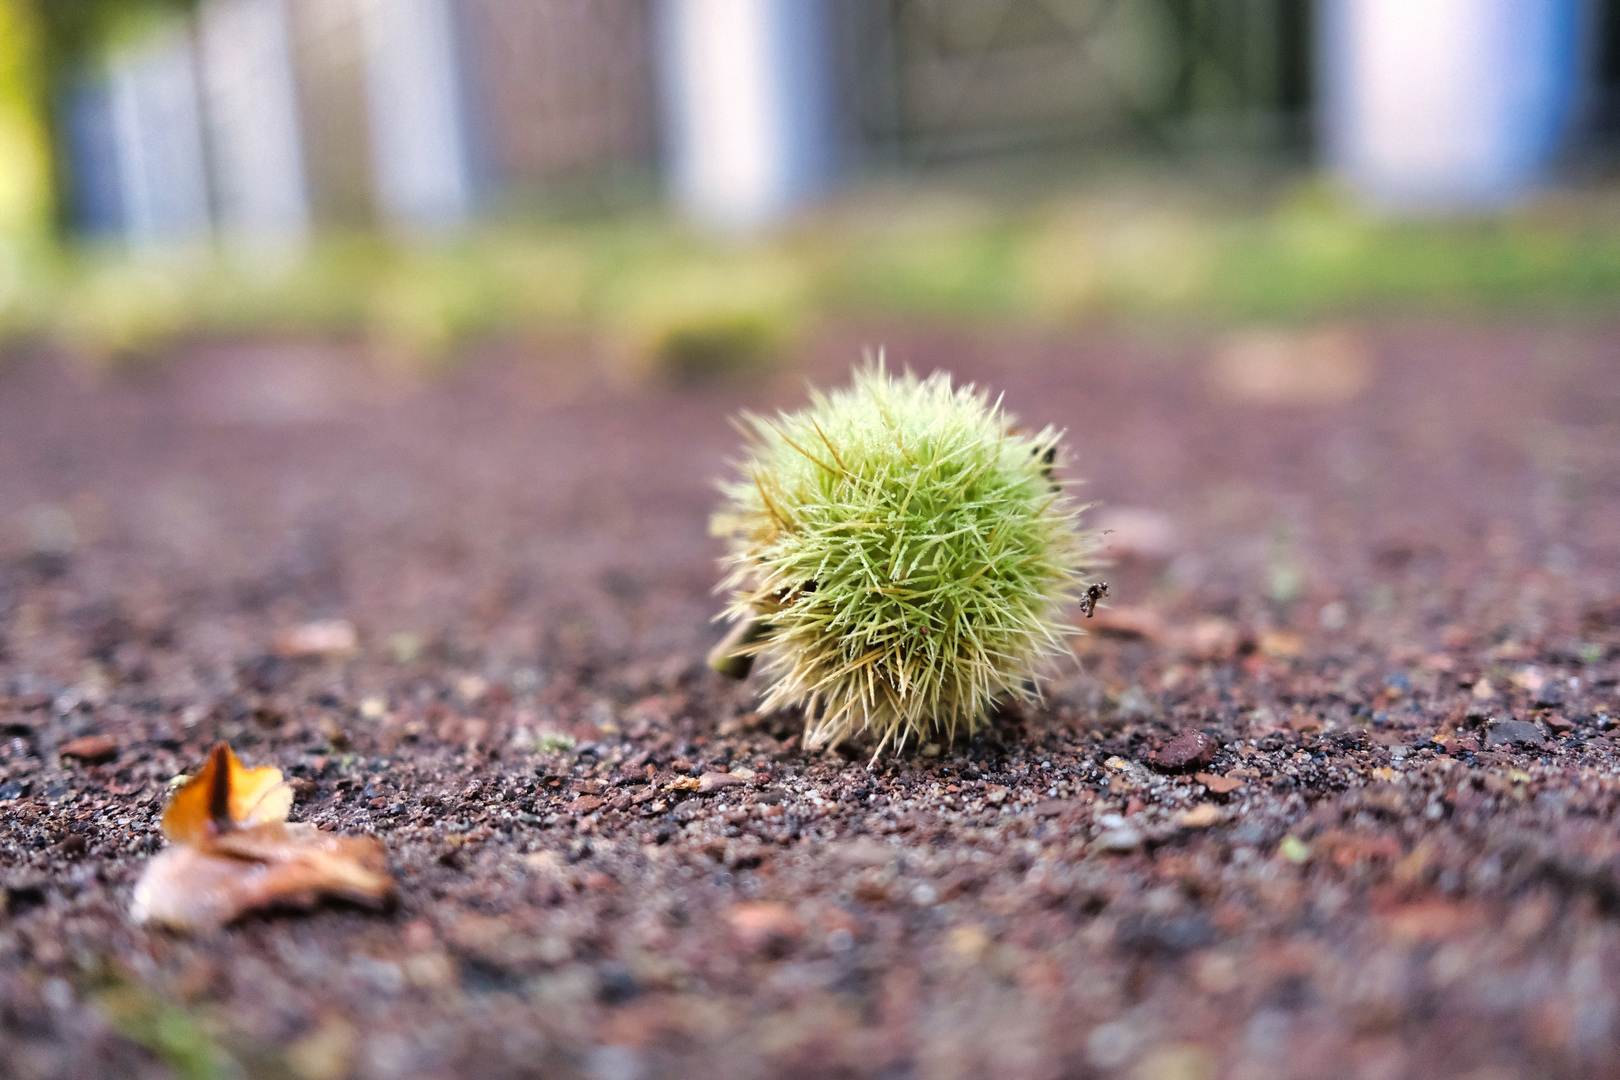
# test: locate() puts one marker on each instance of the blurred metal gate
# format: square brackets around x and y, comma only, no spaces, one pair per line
[933,80]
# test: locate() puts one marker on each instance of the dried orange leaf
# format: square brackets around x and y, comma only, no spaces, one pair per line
[271,865]
[235,853]
[225,796]
[259,796]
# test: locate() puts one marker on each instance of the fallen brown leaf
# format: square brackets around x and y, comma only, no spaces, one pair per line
[234,852]
[1220,785]
[266,866]
[1431,920]
[1281,645]
[765,926]
[1201,816]
[1304,721]
[326,637]
[1326,366]
[1134,532]
[90,749]
[968,942]
[1128,622]
[1210,638]
[326,1053]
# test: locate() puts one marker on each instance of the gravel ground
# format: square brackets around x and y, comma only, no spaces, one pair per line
[1329,792]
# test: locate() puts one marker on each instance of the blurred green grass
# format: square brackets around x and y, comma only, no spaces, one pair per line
[669,298]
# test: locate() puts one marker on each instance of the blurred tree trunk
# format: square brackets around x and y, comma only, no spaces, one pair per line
[44,46]
[25,157]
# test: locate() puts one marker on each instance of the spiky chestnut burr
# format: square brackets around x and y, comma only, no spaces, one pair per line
[899,556]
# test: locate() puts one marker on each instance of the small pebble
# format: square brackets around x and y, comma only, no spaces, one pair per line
[1188,749]
[90,749]
[711,782]
[1514,733]
[323,638]
[1123,838]
[765,926]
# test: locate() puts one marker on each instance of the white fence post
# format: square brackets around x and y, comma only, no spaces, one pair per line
[157,133]
[420,149]
[1448,103]
[251,108]
[749,115]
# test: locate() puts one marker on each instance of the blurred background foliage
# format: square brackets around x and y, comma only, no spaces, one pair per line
[1048,162]
[24,145]
[71,32]
[674,296]
[43,44]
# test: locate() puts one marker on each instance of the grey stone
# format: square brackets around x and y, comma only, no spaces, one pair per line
[1515,733]
[1122,838]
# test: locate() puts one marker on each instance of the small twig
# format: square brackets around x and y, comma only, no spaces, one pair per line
[219,789]
[725,657]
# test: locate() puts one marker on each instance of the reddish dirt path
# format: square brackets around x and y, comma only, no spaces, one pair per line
[1343,596]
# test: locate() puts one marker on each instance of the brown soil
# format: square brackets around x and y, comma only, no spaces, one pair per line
[1359,873]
